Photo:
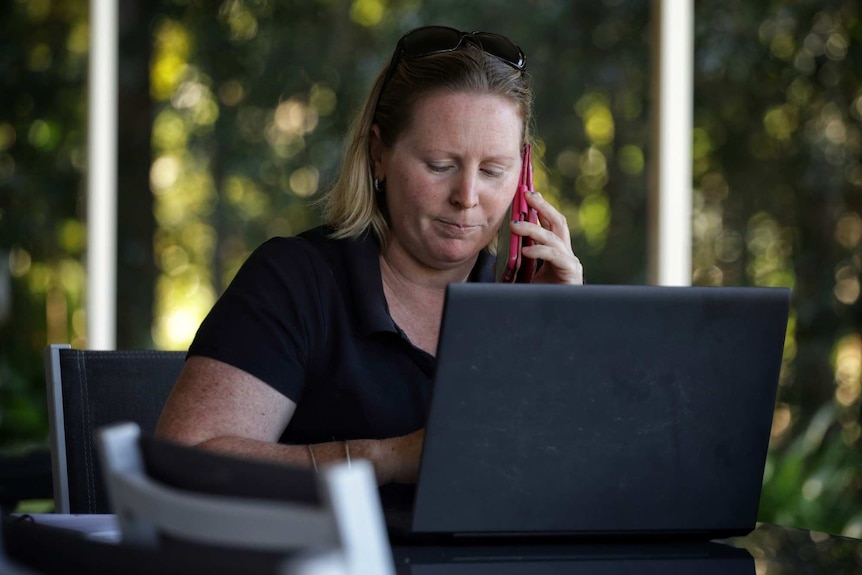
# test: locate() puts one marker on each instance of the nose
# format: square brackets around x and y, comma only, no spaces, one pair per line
[465,192]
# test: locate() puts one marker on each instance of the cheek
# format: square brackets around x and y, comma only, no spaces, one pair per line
[406,201]
[503,200]
[503,213]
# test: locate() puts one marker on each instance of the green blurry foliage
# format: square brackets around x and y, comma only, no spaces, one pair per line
[248,101]
[778,189]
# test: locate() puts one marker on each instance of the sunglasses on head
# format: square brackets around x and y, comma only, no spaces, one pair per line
[430,40]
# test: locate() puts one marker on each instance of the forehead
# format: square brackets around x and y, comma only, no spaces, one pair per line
[456,115]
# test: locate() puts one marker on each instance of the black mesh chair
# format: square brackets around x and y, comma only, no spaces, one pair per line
[88,389]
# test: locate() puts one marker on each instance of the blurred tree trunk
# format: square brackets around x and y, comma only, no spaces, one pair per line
[136,269]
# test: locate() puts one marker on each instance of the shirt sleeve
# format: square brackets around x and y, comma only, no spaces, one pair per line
[271,317]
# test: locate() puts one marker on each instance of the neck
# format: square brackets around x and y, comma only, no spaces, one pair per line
[415,296]
[404,272]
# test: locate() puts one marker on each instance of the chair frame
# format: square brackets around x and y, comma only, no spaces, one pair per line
[350,521]
[121,377]
[57,427]
[144,506]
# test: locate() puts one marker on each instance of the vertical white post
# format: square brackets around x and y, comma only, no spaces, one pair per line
[102,176]
[670,241]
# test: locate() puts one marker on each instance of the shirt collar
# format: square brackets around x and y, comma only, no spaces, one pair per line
[366,289]
[366,284]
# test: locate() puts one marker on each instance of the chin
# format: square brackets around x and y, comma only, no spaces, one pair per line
[456,252]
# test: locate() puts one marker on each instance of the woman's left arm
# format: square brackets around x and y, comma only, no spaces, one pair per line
[552,244]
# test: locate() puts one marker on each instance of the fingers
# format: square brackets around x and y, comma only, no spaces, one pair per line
[560,266]
[553,229]
[551,243]
[549,217]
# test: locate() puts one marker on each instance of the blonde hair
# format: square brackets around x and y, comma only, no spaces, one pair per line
[352,206]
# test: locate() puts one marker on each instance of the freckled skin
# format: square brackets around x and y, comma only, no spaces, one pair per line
[450,179]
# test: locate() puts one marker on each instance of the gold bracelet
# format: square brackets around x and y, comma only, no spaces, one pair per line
[313,460]
[347,453]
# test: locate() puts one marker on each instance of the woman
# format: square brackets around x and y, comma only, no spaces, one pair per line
[322,347]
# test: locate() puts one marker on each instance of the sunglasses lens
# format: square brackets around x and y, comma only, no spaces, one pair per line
[429,40]
[501,47]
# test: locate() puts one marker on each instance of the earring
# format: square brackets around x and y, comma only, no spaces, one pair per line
[378,185]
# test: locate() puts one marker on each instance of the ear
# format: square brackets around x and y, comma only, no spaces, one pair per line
[376,149]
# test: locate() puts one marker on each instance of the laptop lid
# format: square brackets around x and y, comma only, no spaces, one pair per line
[600,410]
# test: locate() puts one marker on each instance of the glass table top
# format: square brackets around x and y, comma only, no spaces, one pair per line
[768,550]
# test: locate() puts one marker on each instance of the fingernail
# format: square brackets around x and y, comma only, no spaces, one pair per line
[517,222]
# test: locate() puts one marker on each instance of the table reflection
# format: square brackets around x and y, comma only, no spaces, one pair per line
[768,550]
[787,551]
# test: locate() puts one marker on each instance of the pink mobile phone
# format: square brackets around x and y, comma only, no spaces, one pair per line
[512,267]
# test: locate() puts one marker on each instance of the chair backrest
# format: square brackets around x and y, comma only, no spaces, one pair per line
[335,527]
[88,389]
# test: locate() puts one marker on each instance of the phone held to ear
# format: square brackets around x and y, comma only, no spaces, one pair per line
[512,267]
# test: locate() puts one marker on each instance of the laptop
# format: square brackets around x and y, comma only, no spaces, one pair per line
[598,411]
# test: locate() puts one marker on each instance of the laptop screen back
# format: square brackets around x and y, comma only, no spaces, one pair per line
[600,410]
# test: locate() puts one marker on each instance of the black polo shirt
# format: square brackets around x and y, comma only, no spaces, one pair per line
[307,315]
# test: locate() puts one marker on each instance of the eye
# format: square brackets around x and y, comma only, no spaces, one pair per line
[493,172]
[439,168]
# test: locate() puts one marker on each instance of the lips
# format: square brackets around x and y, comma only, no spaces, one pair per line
[458,227]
